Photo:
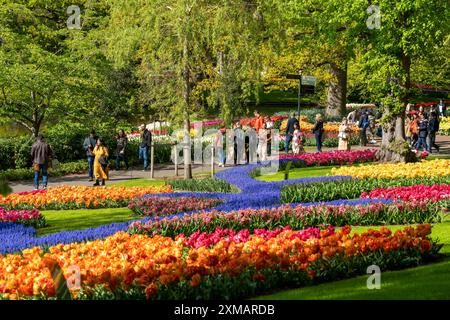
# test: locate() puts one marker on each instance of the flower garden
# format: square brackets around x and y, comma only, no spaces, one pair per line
[269,236]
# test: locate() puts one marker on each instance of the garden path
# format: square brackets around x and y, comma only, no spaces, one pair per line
[167,171]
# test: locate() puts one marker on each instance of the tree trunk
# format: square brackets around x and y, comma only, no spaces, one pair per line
[337,91]
[393,145]
[187,123]
[394,148]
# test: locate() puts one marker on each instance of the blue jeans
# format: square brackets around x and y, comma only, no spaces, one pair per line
[221,155]
[143,154]
[287,142]
[43,168]
[318,136]
[119,158]
[91,166]
[420,142]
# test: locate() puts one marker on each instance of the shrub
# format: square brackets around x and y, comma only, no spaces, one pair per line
[28,173]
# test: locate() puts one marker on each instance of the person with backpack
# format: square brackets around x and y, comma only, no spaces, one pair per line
[433,128]
[100,162]
[89,145]
[41,154]
[363,125]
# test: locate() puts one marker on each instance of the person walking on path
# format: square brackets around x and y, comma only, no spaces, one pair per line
[423,132]
[89,145]
[442,109]
[290,127]
[269,127]
[144,145]
[297,140]
[258,121]
[41,154]
[318,131]
[100,162]
[414,130]
[239,145]
[262,144]
[344,136]
[218,144]
[363,125]
[408,133]
[433,128]
[121,150]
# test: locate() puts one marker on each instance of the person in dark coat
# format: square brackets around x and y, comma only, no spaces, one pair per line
[144,145]
[121,150]
[423,132]
[363,125]
[318,132]
[290,127]
[89,145]
[41,154]
[433,128]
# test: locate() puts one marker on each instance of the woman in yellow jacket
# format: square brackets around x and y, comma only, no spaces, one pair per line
[100,162]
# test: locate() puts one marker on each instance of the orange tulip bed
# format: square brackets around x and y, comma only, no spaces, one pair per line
[222,265]
[77,197]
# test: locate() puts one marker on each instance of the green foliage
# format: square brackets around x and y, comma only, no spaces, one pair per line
[348,189]
[286,170]
[62,170]
[5,189]
[202,185]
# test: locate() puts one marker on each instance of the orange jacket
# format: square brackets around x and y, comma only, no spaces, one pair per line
[258,123]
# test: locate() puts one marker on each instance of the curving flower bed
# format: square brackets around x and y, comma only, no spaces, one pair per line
[440,167]
[76,197]
[204,239]
[412,194]
[350,188]
[296,217]
[137,266]
[26,217]
[163,206]
[331,158]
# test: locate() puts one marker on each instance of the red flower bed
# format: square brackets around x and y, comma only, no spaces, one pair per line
[334,157]
[411,194]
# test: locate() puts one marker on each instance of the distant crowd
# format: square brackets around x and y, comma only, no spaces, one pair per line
[421,127]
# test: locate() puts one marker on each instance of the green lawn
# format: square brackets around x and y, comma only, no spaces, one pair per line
[62,220]
[298,173]
[306,172]
[139,183]
[430,281]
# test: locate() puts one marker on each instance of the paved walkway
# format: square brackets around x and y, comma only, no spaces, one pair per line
[165,172]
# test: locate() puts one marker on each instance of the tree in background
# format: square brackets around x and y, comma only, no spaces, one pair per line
[321,37]
[191,55]
[51,73]
[409,32]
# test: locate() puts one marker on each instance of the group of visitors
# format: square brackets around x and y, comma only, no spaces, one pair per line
[98,155]
[420,125]
[421,128]
[244,144]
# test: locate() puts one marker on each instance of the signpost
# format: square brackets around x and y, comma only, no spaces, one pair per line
[305,84]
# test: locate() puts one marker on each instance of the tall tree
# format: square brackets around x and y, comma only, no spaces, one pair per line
[190,54]
[48,70]
[323,34]
[410,29]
